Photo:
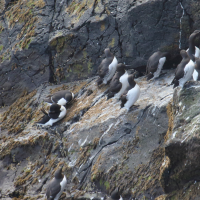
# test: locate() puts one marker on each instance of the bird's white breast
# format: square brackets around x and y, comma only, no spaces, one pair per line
[160,66]
[63,185]
[197,52]
[132,96]
[111,70]
[62,113]
[124,81]
[195,75]
[188,71]
[62,102]
[52,121]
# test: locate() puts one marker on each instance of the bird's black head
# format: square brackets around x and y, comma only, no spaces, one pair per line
[120,67]
[193,35]
[54,108]
[196,32]
[108,53]
[115,194]
[183,54]
[58,173]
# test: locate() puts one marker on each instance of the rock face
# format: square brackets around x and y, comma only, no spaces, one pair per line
[62,41]
[150,152]
[100,145]
[183,145]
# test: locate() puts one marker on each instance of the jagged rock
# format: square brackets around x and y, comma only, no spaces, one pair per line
[182,170]
[100,145]
[149,152]
[62,41]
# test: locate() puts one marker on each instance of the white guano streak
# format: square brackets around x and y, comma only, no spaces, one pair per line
[180,33]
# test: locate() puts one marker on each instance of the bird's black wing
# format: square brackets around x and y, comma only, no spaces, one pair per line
[179,73]
[152,65]
[54,115]
[53,189]
[103,67]
[115,87]
[102,73]
[153,61]
[44,120]
[197,63]
[59,95]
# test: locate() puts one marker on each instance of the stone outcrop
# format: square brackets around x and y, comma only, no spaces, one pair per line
[62,41]
[100,145]
[182,172]
[150,152]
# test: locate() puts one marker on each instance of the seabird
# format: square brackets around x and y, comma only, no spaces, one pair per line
[196,73]
[184,70]
[107,68]
[115,84]
[131,93]
[155,64]
[56,185]
[62,97]
[115,195]
[56,113]
[193,51]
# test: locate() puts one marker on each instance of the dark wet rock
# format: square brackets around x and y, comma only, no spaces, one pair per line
[62,41]
[149,152]
[182,148]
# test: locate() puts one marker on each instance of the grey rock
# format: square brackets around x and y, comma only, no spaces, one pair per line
[67,30]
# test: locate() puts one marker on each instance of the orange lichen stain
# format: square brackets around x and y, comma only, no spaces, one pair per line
[103,27]
[78,105]
[40,3]
[162,197]
[95,168]
[100,112]
[165,165]
[73,88]
[18,114]
[171,120]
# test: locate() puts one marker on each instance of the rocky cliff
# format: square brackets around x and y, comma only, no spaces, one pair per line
[100,145]
[62,41]
[150,152]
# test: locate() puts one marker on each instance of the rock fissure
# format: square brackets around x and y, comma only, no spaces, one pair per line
[112,141]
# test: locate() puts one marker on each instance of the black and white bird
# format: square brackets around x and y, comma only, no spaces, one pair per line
[115,84]
[56,113]
[124,84]
[56,186]
[131,93]
[193,51]
[184,70]
[115,195]
[62,97]
[107,68]
[196,73]
[155,64]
